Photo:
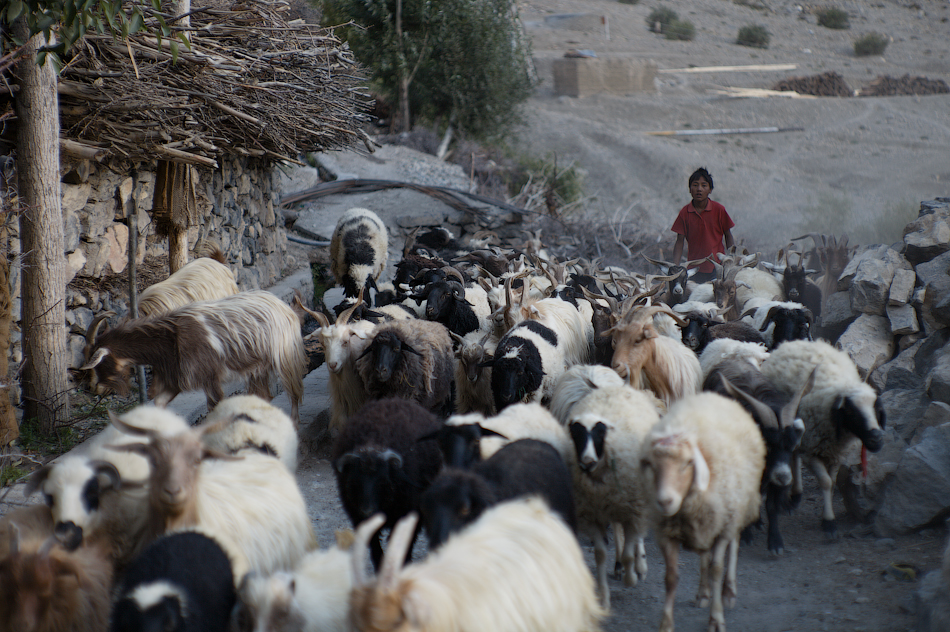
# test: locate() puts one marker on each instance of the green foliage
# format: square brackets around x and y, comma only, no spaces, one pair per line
[566,184]
[664,16]
[754,35]
[468,61]
[70,20]
[870,44]
[33,439]
[833,19]
[11,474]
[680,30]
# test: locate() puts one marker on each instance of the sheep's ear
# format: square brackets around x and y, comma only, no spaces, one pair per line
[36,479]
[104,468]
[96,359]
[700,470]
[488,432]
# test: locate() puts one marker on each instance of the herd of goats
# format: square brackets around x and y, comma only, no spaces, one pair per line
[501,401]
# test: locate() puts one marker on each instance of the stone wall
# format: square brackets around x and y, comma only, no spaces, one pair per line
[238,207]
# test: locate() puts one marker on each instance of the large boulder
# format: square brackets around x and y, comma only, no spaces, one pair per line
[903,410]
[937,382]
[920,490]
[871,281]
[869,342]
[932,601]
[929,235]
[836,315]
[899,373]
[864,494]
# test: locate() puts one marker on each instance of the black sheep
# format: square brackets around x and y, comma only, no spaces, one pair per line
[446,304]
[524,467]
[180,583]
[382,466]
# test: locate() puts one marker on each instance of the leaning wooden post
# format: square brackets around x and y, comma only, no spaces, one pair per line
[132,219]
[175,208]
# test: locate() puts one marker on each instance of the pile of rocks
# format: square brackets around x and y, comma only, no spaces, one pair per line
[892,311]
[829,84]
[887,86]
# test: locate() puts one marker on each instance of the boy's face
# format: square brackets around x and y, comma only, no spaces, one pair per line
[699,189]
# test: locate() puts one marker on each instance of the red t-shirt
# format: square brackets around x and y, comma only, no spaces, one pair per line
[704,231]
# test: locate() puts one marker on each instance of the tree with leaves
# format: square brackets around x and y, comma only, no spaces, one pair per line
[456,61]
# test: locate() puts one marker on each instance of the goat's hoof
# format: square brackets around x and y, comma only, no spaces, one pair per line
[618,571]
[729,602]
[776,552]
[776,546]
[747,536]
[830,528]
[716,626]
[794,501]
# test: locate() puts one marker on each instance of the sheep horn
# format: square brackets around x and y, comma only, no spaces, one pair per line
[364,532]
[453,272]
[346,314]
[399,541]
[93,331]
[790,410]
[766,414]
[611,301]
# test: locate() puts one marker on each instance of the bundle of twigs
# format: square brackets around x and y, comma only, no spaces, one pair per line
[251,84]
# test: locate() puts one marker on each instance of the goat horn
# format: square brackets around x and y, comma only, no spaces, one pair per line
[317,316]
[410,242]
[399,541]
[108,469]
[150,433]
[364,532]
[97,357]
[93,331]
[346,314]
[790,410]
[766,414]
[658,262]
[695,262]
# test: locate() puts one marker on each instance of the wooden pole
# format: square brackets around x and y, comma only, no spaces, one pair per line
[132,219]
[726,130]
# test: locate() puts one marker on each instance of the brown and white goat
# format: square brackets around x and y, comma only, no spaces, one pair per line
[203,346]
[669,368]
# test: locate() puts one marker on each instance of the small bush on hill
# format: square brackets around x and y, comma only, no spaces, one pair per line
[870,44]
[629,1]
[664,17]
[754,35]
[680,30]
[833,19]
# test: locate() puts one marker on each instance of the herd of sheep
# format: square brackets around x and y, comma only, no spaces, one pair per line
[501,402]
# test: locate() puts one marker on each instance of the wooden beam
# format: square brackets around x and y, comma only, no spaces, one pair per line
[751,68]
[726,130]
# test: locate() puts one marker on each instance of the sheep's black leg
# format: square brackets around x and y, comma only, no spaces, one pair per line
[773,497]
[376,550]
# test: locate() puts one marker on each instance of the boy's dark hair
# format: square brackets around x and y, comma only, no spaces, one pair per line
[702,173]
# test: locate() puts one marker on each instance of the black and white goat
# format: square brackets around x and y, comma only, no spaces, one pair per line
[203,346]
[527,364]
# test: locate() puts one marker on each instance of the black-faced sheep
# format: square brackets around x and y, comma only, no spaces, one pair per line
[49,589]
[180,583]
[252,424]
[780,321]
[381,465]
[203,346]
[312,598]
[840,410]
[96,495]
[250,503]
[204,279]
[608,428]
[523,571]
[410,359]
[461,309]
[702,465]
[522,468]
[358,250]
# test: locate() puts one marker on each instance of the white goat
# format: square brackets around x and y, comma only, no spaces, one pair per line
[203,279]
[576,383]
[521,569]
[702,466]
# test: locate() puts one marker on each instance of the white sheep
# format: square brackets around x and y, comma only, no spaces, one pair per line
[754,283]
[203,279]
[518,567]
[250,504]
[89,491]
[518,421]
[253,424]
[314,597]
[576,383]
[840,410]
[702,466]
[718,351]
[359,249]
[608,428]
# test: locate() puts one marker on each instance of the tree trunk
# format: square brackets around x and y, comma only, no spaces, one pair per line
[41,231]
[8,425]
[404,123]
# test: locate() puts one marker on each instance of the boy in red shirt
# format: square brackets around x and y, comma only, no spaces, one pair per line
[704,224]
